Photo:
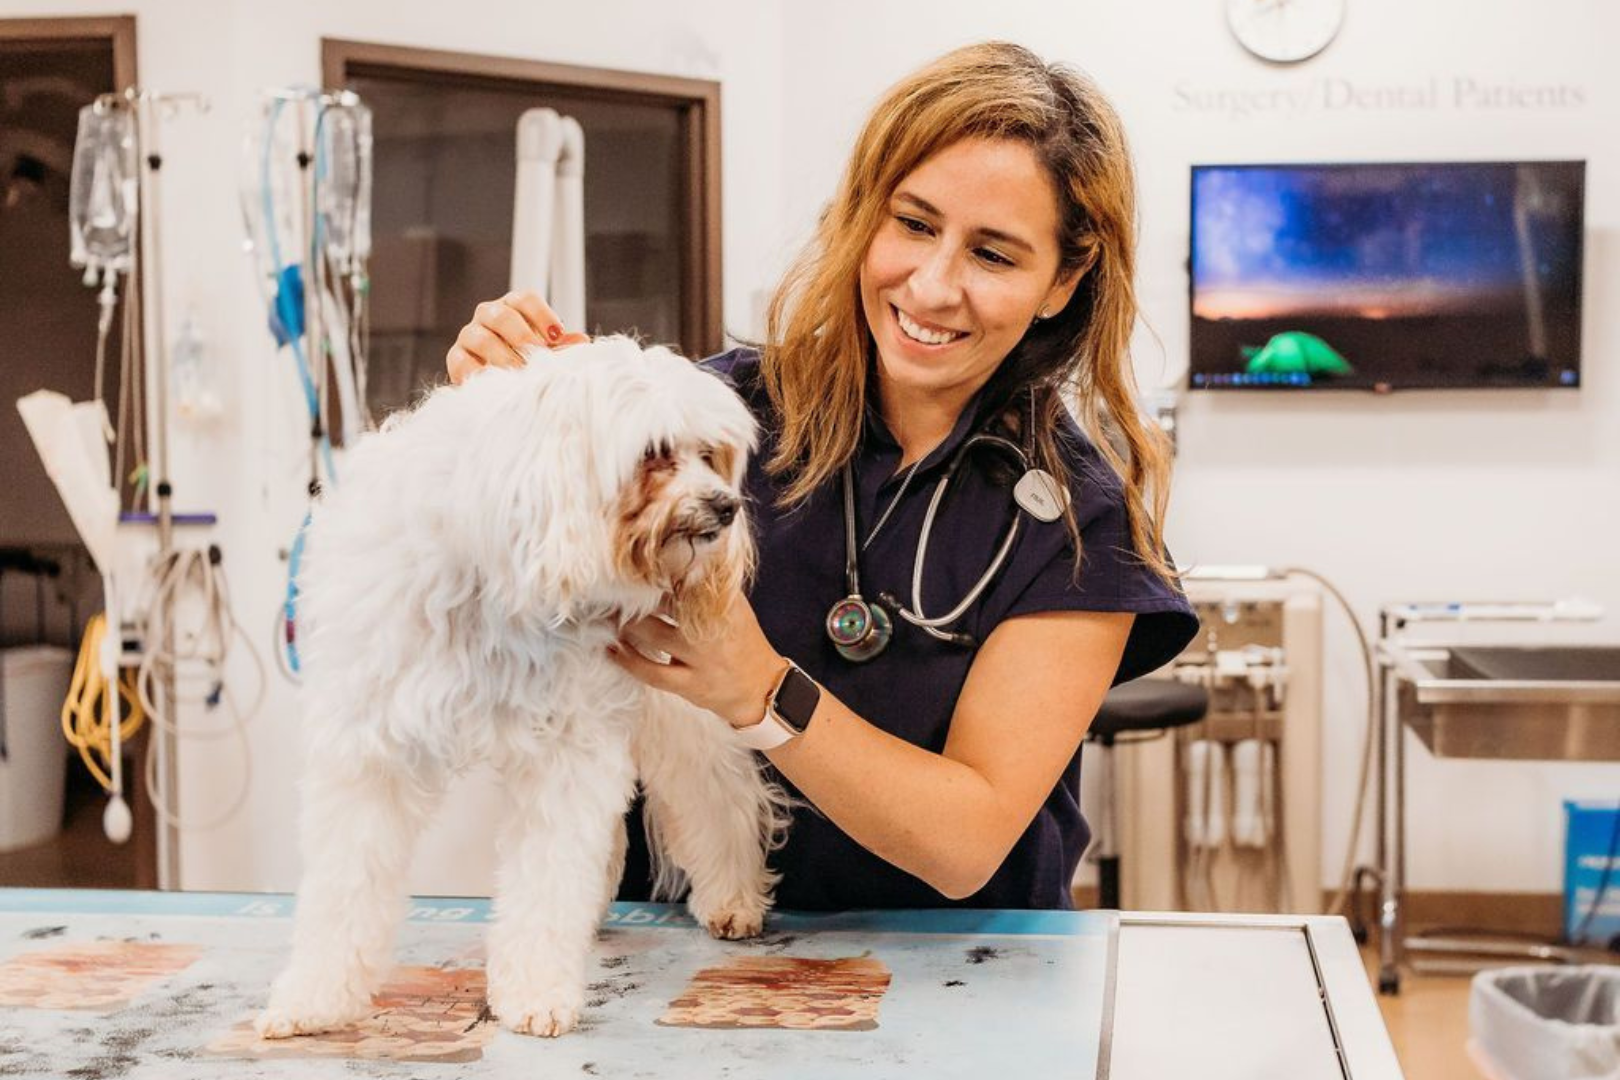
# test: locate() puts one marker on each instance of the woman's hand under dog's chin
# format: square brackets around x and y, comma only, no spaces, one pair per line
[730,671]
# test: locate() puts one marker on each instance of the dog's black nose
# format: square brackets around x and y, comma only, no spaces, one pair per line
[723,507]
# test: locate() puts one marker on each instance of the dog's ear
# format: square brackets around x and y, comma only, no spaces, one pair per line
[526,499]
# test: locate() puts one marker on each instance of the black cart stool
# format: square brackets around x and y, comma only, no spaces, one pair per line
[1141,706]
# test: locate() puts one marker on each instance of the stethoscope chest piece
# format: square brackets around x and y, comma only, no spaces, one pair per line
[1040,495]
[859,629]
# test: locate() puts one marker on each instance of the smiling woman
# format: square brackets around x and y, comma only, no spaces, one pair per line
[967,261]
[969,284]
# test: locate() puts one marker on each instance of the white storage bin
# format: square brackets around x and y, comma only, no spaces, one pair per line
[33,683]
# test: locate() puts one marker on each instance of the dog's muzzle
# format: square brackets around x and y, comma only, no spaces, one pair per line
[716,512]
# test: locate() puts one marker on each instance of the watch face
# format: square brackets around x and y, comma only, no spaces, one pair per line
[1284,31]
[796,699]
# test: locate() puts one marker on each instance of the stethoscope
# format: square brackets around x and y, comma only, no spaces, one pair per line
[861,629]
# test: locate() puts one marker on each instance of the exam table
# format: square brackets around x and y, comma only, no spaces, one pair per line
[131,984]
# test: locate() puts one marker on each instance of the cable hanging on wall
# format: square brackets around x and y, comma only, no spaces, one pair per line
[306,206]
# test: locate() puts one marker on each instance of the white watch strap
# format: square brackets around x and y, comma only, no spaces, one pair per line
[768,734]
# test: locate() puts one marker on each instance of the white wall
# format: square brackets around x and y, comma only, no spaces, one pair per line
[1482,495]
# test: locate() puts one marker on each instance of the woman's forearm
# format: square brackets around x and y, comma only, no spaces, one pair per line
[935,818]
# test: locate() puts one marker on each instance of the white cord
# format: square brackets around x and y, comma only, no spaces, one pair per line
[207,645]
[1353,844]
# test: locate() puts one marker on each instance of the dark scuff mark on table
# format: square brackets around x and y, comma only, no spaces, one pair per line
[609,990]
[119,1048]
[485,1015]
[775,942]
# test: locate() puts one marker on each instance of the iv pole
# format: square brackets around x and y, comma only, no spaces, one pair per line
[148,107]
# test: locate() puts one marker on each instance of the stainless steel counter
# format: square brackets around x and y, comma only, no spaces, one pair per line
[1530,704]
[1467,700]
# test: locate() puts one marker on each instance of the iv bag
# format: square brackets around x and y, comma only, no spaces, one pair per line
[343,184]
[271,209]
[103,195]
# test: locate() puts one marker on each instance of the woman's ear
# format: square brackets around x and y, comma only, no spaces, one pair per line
[1057,298]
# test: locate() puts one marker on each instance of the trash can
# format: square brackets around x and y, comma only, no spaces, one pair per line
[33,754]
[1546,1023]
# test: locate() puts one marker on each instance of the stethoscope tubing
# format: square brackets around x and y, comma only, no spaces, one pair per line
[934,626]
[919,618]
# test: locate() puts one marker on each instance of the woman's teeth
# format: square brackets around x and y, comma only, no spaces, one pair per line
[927,337]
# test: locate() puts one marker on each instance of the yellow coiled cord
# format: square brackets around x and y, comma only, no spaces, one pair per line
[87,710]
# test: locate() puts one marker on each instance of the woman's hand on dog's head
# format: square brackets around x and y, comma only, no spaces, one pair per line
[501,330]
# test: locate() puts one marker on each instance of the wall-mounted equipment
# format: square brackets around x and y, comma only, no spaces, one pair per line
[1242,785]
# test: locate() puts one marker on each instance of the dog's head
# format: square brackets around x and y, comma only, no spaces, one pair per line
[623,483]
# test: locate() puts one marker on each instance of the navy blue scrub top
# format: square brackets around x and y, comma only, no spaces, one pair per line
[911,689]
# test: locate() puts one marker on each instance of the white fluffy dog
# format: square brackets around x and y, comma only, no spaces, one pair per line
[461,588]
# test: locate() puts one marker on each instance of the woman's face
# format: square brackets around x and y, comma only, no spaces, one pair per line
[965,259]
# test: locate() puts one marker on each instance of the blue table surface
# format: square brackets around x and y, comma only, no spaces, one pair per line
[970,993]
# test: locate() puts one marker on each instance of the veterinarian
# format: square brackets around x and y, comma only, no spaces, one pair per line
[974,269]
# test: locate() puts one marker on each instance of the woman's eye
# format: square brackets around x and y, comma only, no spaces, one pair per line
[911,224]
[994,257]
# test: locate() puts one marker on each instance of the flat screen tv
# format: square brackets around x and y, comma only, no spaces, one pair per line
[1386,276]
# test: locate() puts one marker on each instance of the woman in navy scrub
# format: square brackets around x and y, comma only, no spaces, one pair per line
[973,273]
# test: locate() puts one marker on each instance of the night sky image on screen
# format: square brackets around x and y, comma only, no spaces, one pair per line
[1386,276]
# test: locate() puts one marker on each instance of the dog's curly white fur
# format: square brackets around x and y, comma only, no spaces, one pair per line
[461,588]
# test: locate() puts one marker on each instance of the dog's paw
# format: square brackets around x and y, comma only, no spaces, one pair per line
[306,1007]
[546,1015]
[283,1023]
[733,921]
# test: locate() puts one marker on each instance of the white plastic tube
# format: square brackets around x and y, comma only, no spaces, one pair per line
[1253,761]
[548,213]
[1205,767]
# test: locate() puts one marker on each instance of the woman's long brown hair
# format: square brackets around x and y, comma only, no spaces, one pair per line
[819,347]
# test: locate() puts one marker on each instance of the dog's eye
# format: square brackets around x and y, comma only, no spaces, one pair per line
[709,456]
[658,457]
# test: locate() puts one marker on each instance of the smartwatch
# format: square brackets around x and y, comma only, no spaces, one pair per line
[787,710]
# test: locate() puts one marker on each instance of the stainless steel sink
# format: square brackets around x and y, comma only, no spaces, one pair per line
[1527,703]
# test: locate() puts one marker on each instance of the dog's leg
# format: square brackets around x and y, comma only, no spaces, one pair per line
[567,802]
[360,818]
[711,812]
[615,870]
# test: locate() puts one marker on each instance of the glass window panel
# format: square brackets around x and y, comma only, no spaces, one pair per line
[444,179]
